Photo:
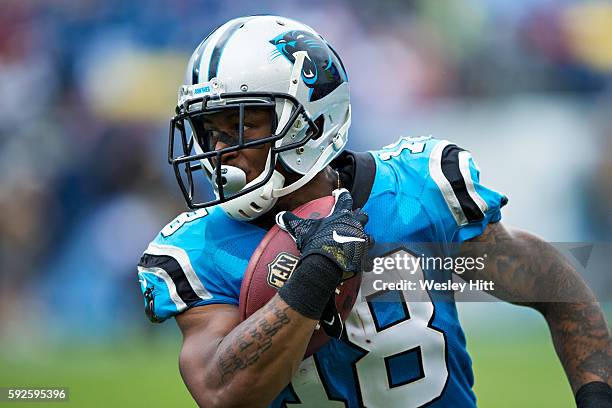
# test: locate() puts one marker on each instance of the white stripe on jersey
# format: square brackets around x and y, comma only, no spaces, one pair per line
[182,258]
[159,272]
[464,167]
[435,170]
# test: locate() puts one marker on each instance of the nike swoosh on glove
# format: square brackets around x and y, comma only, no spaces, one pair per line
[340,236]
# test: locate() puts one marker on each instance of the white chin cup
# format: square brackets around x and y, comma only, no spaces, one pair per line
[257,202]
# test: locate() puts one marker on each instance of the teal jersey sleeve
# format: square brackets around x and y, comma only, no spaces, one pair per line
[446,180]
[199,258]
[469,206]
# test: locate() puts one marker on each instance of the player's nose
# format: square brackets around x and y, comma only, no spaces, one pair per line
[226,158]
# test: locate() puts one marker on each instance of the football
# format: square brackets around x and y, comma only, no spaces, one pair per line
[274,260]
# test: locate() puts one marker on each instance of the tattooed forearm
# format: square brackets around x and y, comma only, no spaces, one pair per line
[582,341]
[246,346]
[528,271]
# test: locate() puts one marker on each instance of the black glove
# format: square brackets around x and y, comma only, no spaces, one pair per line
[596,394]
[332,248]
[340,236]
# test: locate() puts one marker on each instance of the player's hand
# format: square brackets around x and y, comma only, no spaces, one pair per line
[340,236]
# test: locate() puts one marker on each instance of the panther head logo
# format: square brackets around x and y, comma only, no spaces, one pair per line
[322,71]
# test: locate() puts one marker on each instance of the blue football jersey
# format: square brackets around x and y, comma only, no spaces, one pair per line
[395,351]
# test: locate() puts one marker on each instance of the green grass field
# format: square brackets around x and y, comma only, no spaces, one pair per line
[514,362]
[520,371]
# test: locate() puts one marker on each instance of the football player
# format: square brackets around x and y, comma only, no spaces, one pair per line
[264,115]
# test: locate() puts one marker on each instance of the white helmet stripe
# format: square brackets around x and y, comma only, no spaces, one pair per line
[215,57]
[205,51]
[197,60]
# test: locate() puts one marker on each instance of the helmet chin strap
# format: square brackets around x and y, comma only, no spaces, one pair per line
[279,192]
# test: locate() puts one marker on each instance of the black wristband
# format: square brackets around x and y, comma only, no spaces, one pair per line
[595,394]
[310,285]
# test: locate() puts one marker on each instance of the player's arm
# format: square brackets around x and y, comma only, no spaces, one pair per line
[225,363]
[523,266]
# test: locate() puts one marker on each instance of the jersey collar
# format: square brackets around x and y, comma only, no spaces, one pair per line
[357,171]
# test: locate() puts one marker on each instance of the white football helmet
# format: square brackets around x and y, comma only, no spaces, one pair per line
[265,62]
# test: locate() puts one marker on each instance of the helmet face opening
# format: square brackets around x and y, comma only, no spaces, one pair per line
[206,130]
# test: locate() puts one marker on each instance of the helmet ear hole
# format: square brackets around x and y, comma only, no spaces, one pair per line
[320,122]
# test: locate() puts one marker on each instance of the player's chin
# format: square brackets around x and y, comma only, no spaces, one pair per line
[254,167]
[252,174]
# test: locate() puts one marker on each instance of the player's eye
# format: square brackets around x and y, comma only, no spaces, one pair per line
[214,137]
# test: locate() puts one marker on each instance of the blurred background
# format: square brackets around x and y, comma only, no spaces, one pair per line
[86,91]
